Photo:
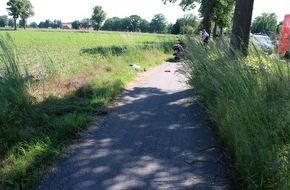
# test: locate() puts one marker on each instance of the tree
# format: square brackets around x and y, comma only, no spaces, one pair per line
[186,25]
[184,4]
[27,11]
[112,24]
[241,26]
[135,22]
[98,16]
[15,8]
[241,22]
[266,23]
[33,25]
[41,24]
[10,22]
[222,15]
[76,24]
[206,8]
[109,24]
[158,23]
[86,23]
[212,11]
[178,27]
[46,24]
[131,23]
[21,23]
[56,24]
[3,21]
[144,25]
[125,23]
[169,28]
[191,24]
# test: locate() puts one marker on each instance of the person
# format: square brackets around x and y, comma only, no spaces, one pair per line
[204,36]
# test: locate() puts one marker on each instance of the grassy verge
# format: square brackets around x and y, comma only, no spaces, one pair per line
[53,83]
[248,101]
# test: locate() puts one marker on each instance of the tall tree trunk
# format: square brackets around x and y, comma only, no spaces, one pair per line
[15,25]
[241,26]
[24,23]
[206,22]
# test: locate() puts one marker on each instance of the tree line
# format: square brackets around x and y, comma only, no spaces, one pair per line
[236,15]
[23,9]
[134,23]
[216,15]
[20,8]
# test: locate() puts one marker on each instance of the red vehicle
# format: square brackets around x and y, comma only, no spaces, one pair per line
[284,43]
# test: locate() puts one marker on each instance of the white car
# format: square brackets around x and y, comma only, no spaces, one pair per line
[263,41]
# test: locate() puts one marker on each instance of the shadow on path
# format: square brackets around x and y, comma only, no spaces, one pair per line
[153,139]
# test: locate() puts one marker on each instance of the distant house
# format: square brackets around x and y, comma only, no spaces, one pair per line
[67,26]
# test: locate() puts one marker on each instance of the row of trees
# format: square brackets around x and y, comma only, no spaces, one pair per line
[5,21]
[218,13]
[231,14]
[20,8]
[134,23]
[214,13]
[158,24]
[266,24]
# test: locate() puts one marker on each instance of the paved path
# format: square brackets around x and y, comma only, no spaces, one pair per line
[155,138]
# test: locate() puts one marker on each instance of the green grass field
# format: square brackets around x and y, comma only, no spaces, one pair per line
[53,83]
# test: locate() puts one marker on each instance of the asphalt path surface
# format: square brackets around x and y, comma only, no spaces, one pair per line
[155,137]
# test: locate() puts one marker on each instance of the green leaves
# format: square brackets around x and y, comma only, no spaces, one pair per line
[98,16]
[27,10]
[266,23]
[20,8]
[15,7]
[184,4]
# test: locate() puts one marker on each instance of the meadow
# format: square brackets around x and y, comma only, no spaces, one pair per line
[53,83]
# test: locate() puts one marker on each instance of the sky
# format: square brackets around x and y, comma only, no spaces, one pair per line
[71,10]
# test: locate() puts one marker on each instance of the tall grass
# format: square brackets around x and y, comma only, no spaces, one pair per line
[248,101]
[14,97]
[52,84]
